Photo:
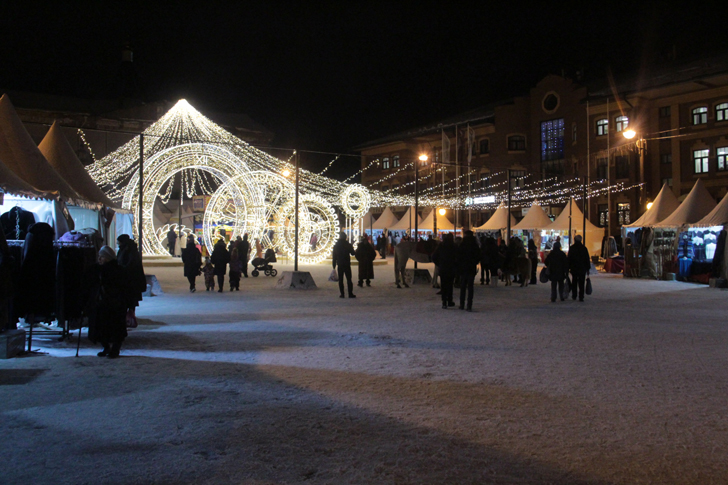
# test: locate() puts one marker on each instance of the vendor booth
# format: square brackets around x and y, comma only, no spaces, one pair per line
[572,217]
[406,224]
[714,227]
[498,222]
[443,223]
[533,224]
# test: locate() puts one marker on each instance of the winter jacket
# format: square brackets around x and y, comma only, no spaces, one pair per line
[340,255]
[558,265]
[220,258]
[365,255]
[579,262]
[468,256]
[192,259]
[129,259]
[446,257]
[109,301]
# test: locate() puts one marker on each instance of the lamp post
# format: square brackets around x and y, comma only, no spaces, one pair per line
[640,143]
[422,159]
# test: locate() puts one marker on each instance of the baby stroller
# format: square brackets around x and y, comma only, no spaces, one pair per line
[263,264]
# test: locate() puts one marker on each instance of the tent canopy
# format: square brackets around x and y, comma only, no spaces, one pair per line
[499,220]
[385,220]
[61,157]
[717,217]
[12,184]
[665,204]
[407,222]
[593,233]
[696,205]
[535,218]
[443,223]
[20,154]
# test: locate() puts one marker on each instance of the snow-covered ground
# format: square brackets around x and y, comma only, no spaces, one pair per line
[267,386]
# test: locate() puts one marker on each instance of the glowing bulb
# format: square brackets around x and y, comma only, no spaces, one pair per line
[286,172]
[442,212]
[629,134]
[423,158]
[649,205]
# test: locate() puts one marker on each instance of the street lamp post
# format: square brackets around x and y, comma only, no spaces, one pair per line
[422,158]
[641,144]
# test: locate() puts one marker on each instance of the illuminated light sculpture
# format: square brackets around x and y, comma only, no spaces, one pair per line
[275,191]
[315,216]
[355,201]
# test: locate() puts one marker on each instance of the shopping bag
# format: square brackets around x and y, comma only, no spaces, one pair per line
[131,321]
[567,288]
[544,276]
[588,289]
[333,276]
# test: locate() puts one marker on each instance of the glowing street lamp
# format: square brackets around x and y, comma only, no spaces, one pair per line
[423,159]
[640,143]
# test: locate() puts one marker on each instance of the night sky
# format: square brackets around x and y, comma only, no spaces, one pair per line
[331,76]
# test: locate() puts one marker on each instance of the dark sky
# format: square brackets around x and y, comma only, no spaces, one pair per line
[329,76]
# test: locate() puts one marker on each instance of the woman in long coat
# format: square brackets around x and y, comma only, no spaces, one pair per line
[109,303]
[220,258]
[365,255]
[192,259]
[129,259]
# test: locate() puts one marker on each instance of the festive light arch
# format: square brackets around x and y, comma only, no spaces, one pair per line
[315,216]
[355,201]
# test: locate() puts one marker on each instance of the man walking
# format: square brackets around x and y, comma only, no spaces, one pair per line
[341,257]
[468,259]
[579,266]
[558,265]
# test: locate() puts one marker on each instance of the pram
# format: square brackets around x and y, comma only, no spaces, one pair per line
[264,264]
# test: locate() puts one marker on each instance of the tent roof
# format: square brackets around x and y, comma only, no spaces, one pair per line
[20,154]
[535,218]
[499,220]
[717,217]
[385,220]
[407,221]
[696,205]
[577,220]
[12,184]
[443,223]
[665,204]
[60,155]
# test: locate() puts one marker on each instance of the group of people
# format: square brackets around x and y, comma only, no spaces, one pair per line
[365,255]
[236,255]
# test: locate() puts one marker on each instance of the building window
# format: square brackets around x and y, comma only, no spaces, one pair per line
[623,214]
[721,112]
[602,127]
[722,158]
[573,132]
[395,161]
[666,158]
[602,169]
[385,163]
[484,146]
[385,188]
[603,215]
[516,143]
[517,178]
[700,157]
[621,123]
[667,181]
[665,112]
[700,115]
[553,167]
[552,140]
[621,165]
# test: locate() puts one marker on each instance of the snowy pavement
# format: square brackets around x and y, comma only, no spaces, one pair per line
[267,386]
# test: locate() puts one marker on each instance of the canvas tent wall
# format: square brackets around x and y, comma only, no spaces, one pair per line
[664,204]
[498,221]
[593,233]
[717,217]
[385,220]
[535,220]
[407,222]
[443,223]
[696,205]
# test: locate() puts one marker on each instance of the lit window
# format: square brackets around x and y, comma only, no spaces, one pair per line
[516,143]
[623,214]
[484,146]
[700,157]
[395,161]
[385,163]
[700,115]
[721,112]
[620,123]
[722,158]
[602,127]
[552,140]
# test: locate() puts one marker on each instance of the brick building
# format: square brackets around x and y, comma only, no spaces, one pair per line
[679,112]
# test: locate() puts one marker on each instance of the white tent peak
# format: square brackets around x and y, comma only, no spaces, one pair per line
[535,218]
[717,217]
[499,220]
[664,204]
[443,223]
[385,220]
[696,205]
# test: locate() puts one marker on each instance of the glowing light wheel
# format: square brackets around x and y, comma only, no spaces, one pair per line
[315,216]
[275,192]
[355,201]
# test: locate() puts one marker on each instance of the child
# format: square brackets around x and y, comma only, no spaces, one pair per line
[236,269]
[209,271]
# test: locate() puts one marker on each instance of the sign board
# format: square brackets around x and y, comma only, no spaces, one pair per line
[199,202]
[488,199]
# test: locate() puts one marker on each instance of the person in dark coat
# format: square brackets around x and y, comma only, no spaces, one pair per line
[109,303]
[192,260]
[365,255]
[533,256]
[446,258]
[236,270]
[579,266]
[489,262]
[468,257]
[129,259]
[558,265]
[171,241]
[220,258]
[341,257]
[244,253]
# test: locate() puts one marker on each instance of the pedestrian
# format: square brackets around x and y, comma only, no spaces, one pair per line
[244,254]
[558,265]
[220,259]
[109,303]
[489,260]
[381,247]
[341,257]
[258,248]
[445,257]
[209,271]
[236,269]
[533,256]
[130,260]
[192,260]
[313,242]
[365,255]
[171,241]
[468,257]
[579,266]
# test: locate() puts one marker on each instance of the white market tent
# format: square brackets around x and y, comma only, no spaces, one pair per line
[665,204]
[717,217]
[385,220]
[535,219]
[593,233]
[498,221]
[443,223]
[696,205]
[407,222]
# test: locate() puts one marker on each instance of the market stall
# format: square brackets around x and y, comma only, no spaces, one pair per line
[572,217]
[533,224]
[716,222]
[498,222]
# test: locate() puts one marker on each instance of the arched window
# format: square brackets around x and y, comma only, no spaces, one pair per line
[620,123]
[516,143]
[700,115]
[602,127]
[721,112]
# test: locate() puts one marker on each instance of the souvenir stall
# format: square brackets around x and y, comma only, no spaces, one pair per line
[384,222]
[497,225]
[672,246]
[533,225]
[636,246]
[443,223]
[572,217]
[701,249]
[406,225]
